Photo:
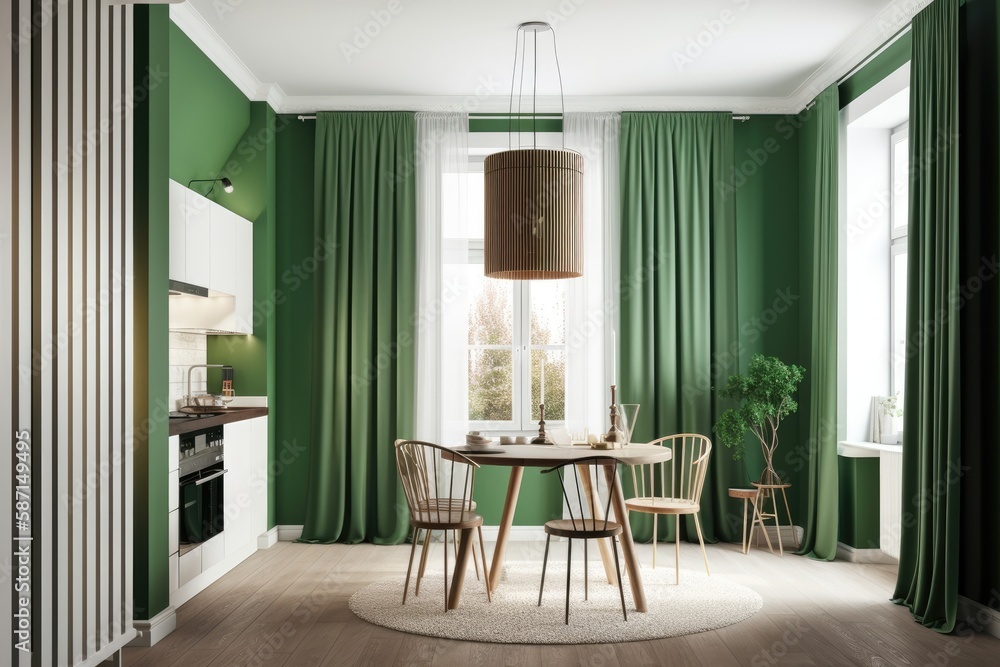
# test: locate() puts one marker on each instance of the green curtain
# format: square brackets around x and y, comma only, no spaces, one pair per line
[979,182]
[679,322]
[818,196]
[363,329]
[928,562]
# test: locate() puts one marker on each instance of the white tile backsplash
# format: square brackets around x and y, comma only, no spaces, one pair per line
[186,350]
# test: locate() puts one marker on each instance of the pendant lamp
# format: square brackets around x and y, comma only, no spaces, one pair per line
[533,208]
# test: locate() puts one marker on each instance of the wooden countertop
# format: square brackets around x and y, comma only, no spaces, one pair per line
[180,426]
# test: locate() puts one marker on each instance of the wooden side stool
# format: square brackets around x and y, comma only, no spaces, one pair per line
[765,491]
[747,495]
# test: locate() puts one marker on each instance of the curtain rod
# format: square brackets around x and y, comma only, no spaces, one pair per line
[739,118]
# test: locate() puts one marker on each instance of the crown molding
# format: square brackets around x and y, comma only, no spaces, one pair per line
[500,104]
[890,21]
[205,38]
[895,17]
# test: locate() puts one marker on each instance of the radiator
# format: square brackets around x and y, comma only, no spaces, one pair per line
[890,501]
[66,327]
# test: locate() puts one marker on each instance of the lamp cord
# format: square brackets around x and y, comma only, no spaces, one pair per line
[562,99]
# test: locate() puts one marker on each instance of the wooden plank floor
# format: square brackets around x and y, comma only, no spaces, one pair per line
[288,605]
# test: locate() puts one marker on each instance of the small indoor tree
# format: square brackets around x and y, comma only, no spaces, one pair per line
[764,394]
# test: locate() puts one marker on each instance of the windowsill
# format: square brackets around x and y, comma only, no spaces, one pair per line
[866,450]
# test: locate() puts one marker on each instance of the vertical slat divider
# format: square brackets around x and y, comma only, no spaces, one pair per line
[89,414]
[115,300]
[43,216]
[78,358]
[61,327]
[104,345]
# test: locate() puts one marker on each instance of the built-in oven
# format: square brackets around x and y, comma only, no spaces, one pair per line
[202,484]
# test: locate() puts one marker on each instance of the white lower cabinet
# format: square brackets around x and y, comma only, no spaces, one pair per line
[245,498]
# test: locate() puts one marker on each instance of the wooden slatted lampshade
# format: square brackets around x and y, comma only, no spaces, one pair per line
[533,199]
[533,214]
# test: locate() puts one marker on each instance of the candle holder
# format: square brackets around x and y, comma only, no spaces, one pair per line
[614,437]
[541,438]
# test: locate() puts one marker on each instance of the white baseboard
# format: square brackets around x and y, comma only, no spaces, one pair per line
[978,617]
[517,533]
[853,555]
[289,533]
[151,631]
[268,539]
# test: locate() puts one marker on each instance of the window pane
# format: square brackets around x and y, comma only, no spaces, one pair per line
[462,199]
[898,321]
[548,312]
[491,308]
[476,209]
[900,184]
[554,381]
[491,375]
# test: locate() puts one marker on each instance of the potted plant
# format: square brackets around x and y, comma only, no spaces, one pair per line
[889,408]
[764,394]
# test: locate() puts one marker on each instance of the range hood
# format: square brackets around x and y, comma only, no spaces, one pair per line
[198,310]
[178,288]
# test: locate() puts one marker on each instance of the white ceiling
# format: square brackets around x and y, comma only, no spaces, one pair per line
[755,55]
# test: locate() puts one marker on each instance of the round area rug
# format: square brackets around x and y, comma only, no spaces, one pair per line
[699,604]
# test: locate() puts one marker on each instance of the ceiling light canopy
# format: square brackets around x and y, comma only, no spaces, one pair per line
[533,203]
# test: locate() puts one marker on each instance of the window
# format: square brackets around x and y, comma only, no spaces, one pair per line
[899,145]
[516,343]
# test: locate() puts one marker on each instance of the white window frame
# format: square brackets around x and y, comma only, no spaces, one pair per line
[897,247]
[521,347]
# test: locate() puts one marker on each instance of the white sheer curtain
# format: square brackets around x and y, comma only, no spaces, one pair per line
[442,167]
[592,301]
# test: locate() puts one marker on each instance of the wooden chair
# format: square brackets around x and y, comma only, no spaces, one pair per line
[673,487]
[438,484]
[582,524]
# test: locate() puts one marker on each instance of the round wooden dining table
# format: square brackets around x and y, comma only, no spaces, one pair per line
[517,458]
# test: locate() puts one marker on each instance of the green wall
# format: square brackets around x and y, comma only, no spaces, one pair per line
[208,114]
[293,299]
[151,225]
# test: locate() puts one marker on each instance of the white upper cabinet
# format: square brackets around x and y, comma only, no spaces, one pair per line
[244,275]
[196,239]
[222,241]
[178,232]
[211,247]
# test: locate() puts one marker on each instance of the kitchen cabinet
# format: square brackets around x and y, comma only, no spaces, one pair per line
[244,275]
[238,501]
[211,247]
[173,511]
[222,241]
[244,504]
[177,267]
[197,253]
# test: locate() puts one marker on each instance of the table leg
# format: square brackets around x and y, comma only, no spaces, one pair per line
[628,547]
[744,526]
[461,565]
[602,544]
[506,521]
